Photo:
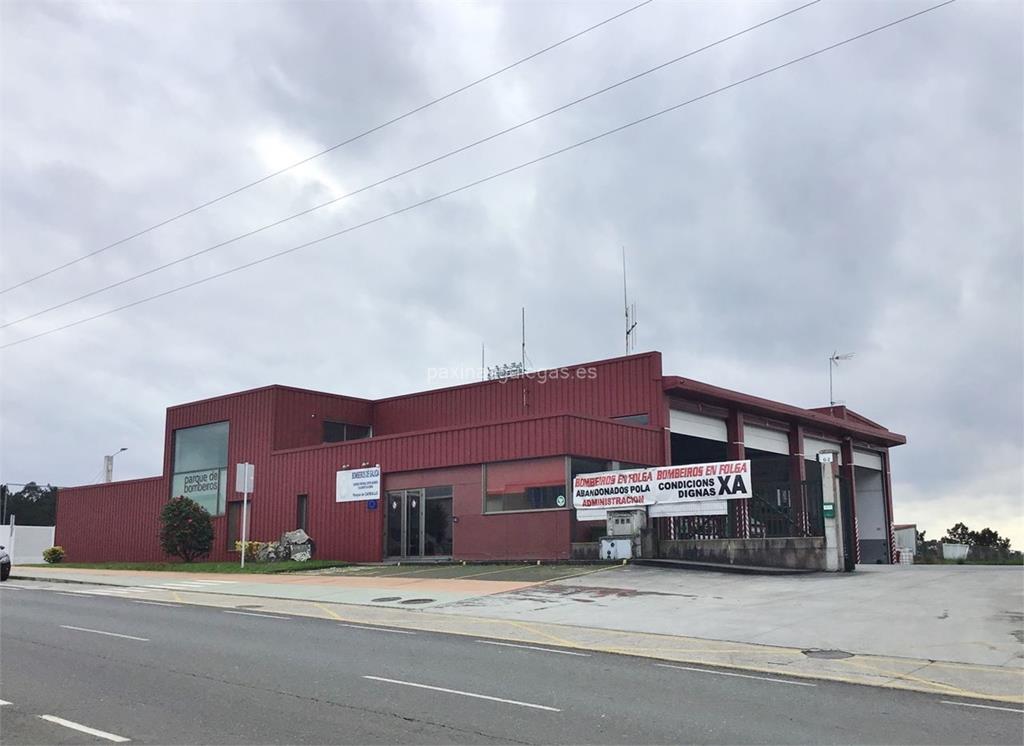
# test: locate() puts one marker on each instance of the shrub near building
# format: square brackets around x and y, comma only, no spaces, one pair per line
[186,530]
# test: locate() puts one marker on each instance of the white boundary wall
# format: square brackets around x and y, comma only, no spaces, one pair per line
[29,542]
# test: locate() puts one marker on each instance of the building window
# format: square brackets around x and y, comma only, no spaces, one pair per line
[634,419]
[302,512]
[200,468]
[234,532]
[336,432]
[539,484]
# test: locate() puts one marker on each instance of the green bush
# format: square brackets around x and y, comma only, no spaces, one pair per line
[53,555]
[186,530]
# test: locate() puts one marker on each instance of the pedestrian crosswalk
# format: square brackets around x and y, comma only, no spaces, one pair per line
[177,585]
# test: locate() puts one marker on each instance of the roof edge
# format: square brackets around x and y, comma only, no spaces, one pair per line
[757,405]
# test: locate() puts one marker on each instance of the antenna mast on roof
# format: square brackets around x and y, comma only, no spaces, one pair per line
[629,309]
[523,361]
[833,361]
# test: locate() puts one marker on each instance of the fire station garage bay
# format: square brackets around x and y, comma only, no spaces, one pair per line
[597,460]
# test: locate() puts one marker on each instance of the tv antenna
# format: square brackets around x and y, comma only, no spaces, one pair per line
[833,362]
[630,309]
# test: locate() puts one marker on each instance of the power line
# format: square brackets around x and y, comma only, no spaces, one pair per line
[330,149]
[406,171]
[485,179]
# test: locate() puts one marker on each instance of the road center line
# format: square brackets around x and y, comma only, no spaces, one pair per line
[101,632]
[737,675]
[533,647]
[85,729]
[464,694]
[376,629]
[3,702]
[157,603]
[983,707]
[250,613]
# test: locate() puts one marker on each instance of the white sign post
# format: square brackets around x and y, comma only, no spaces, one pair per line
[244,474]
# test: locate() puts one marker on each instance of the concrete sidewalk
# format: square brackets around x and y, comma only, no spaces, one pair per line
[1003,684]
[960,613]
[322,587]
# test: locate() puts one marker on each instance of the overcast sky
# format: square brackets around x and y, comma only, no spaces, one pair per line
[866,200]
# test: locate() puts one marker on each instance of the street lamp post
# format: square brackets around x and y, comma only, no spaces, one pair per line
[108,465]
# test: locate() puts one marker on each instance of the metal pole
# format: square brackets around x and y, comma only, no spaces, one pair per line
[108,468]
[831,396]
[522,364]
[245,513]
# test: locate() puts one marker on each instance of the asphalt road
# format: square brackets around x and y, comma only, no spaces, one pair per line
[168,673]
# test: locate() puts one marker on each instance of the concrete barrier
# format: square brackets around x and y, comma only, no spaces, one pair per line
[802,553]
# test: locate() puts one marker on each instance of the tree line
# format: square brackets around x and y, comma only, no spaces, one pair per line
[32,505]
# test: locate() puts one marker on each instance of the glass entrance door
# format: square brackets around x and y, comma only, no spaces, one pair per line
[419,523]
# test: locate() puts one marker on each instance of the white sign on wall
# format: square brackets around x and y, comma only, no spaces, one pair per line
[358,484]
[724,480]
[671,488]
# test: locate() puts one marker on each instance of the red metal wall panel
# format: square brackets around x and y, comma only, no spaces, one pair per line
[611,388]
[299,415]
[111,522]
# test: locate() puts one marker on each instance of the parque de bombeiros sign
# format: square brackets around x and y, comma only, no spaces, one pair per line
[723,480]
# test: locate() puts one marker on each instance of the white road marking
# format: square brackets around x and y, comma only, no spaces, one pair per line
[983,707]
[178,586]
[101,632]
[18,587]
[156,603]
[376,629]
[533,647]
[227,582]
[85,729]
[3,702]
[251,613]
[463,694]
[738,675]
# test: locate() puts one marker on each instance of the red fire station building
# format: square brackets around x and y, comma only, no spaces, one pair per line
[484,471]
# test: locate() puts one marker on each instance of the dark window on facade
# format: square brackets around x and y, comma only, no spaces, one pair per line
[302,512]
[634,419]
[688,449]
[357,432]
[586,466]
[531,498]
[200,468]
[234,532]
[336,432]
[537,484]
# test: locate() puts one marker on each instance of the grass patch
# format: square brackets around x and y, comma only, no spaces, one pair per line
[255,568]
